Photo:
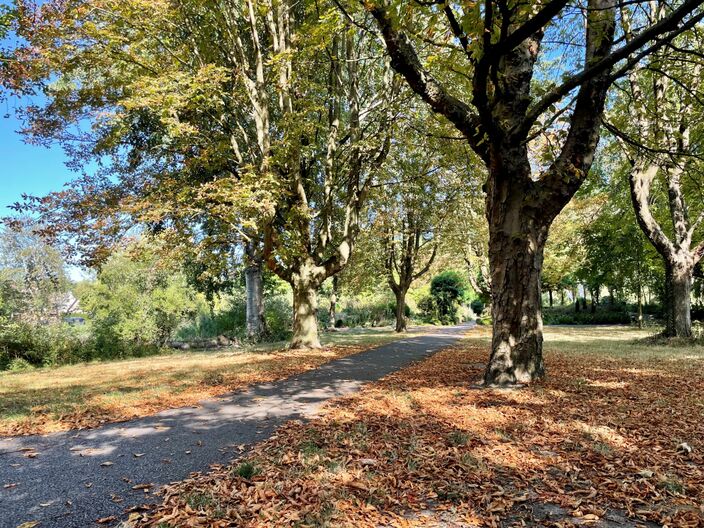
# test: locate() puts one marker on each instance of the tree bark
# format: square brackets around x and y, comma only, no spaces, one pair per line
[333,304]
[401,322]
[550,296]
[255,301]
[678,304]
[517,235]
[305,305]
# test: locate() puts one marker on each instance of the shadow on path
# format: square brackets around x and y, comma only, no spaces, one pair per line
[73,478]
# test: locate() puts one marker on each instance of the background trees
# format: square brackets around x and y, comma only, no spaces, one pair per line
[269,138]
[260,118]
[657,122]
[499,107]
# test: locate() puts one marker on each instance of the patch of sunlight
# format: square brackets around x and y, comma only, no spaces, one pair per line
[510,455]
[608,384]
[603,434]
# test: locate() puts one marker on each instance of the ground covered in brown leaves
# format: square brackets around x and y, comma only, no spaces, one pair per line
[596,444]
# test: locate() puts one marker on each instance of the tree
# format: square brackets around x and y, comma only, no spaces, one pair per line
[136,302]
[256,124]
[328,168]
[506,106]
[659,129]
[33,277]
[413,208]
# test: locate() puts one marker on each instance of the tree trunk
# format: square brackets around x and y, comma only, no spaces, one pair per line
[401,322]
[333,304]
[681,297]
[678,287]
[550,296]
[562,297]
[305,321]
[255,301]
[516,243]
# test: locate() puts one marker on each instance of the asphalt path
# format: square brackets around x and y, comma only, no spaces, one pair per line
[72,479]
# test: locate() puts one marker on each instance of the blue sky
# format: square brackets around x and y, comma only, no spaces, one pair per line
[27,168]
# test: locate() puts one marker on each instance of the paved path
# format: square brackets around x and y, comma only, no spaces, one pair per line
[78,477]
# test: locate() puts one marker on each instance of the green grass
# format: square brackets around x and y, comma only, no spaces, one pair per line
[616,342]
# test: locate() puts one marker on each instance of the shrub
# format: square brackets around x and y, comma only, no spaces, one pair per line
[44,345]
[278,313]
[19,365]
[368,311]
[449,290]
[566,316]
[477,306]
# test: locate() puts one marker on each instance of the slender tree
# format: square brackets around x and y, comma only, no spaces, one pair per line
[658,129]
[489,85]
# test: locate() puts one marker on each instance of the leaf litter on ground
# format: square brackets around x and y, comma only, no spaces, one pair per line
[598,439]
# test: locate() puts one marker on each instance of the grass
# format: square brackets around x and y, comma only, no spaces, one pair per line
[424,447]
[86,395]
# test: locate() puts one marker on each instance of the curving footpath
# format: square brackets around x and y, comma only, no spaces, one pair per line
[72,479]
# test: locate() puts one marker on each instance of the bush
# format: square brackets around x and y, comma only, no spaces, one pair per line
[229,318]
[374,311]
[567,316]
[19,365]
[448,289]
[278,314]
[44,345]
[477,307]
[428,309]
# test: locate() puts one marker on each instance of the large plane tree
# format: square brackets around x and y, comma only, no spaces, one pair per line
[208,124]
[509,76]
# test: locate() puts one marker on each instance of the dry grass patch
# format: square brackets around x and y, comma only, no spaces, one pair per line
[598,438]
[87,395]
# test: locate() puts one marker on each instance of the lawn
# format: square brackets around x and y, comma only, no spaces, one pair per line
[86,395]
[605,440]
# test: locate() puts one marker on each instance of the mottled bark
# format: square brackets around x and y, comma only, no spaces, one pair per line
[517,237]
[253,276]
[305,305]
[401,322]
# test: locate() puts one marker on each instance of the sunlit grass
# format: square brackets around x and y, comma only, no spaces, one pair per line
[52,399]
[621,342]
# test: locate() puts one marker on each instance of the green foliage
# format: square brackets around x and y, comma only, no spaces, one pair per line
[448,290]
[246,470]
[32,277]
[228,318]
[477,306]
[568,316]
[44,345]
[368,310]
[136,306]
